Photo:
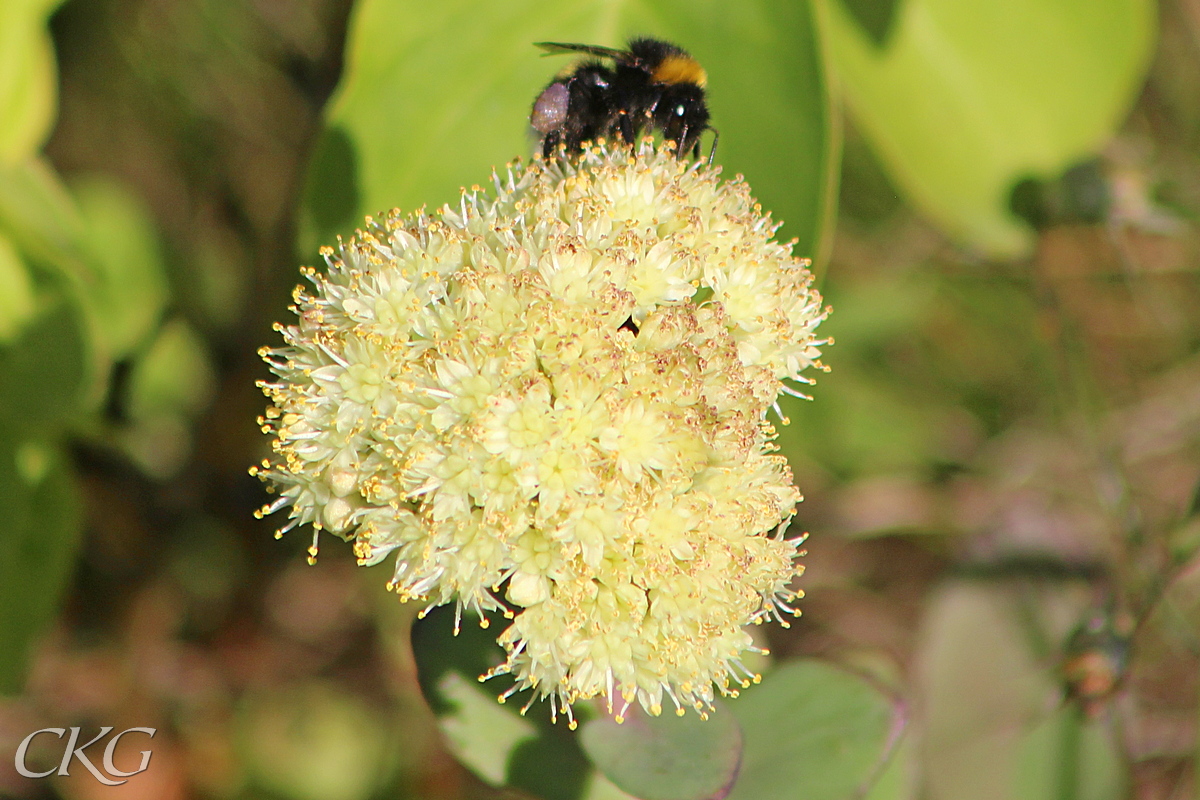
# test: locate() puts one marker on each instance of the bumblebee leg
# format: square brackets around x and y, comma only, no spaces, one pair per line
[625,126]
[713,151]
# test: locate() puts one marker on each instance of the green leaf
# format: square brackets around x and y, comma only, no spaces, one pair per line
[41,509]
[440,651]
[28,78]
[969,97]
[769,88]
[44,374]
[174,377]
[481,733]
[131,287]
[17,304]
[332,200]
[1067,755]
[40,217]
[31,9]
[863,421]
[982,689]
[876,18]
[899,778]
[168,387]
[314,741]
[28,82]
[498,743]
[434,96]
[551,766]
[811,731]
[667,757]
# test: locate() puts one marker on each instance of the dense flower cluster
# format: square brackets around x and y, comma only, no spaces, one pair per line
[553,400]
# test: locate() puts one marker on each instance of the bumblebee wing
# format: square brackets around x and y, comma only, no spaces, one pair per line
[556,48]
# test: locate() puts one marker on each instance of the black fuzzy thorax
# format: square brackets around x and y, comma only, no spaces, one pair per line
[623,101]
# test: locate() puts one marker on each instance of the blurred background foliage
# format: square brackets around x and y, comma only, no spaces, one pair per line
[1002,469]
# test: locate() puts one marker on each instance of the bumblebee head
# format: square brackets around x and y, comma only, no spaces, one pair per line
[681,114]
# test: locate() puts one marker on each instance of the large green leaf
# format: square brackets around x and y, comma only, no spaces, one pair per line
[811,731]
[899,778]
[667,757]
[435,95]
[17,302]
[41,218]
[28,78]
[497,742]
[38,540]
[967,97]
[770,98]
[45,373]
[130,288]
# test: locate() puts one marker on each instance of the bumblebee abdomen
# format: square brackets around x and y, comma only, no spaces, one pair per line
[550,109]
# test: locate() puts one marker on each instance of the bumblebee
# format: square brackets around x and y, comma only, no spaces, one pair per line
[652,86]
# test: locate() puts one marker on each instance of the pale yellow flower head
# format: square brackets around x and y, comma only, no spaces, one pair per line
[552,400]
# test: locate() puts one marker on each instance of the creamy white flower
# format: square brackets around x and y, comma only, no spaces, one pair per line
[553,400]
